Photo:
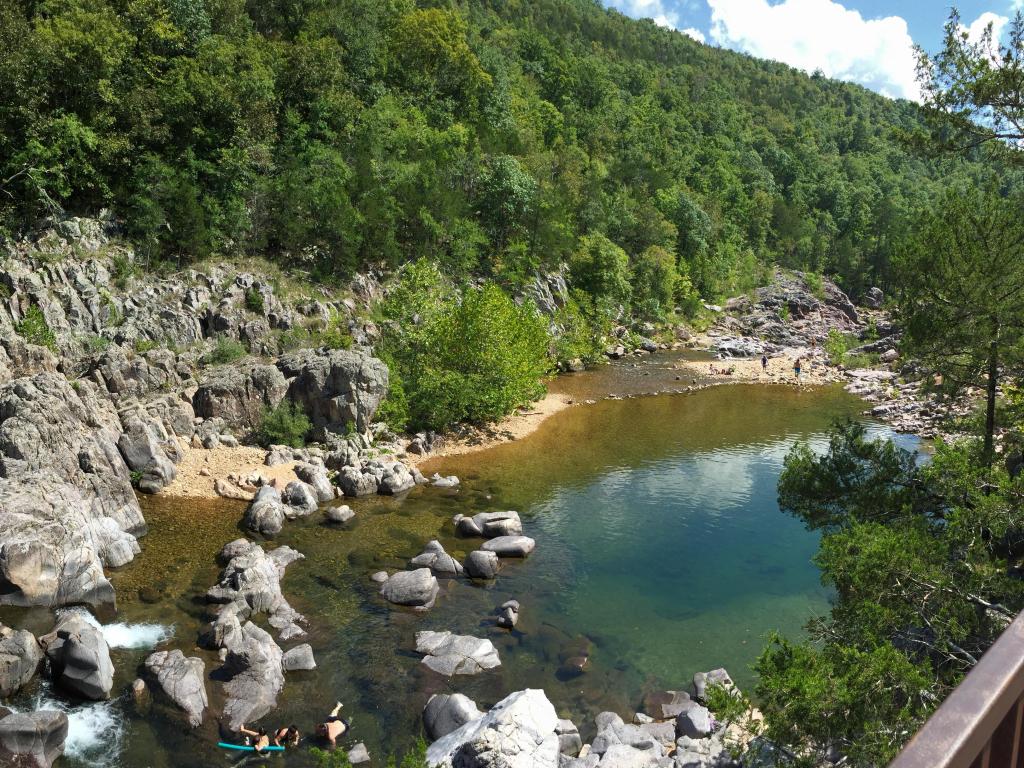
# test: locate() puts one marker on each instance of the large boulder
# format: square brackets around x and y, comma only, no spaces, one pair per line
[182,679]
[240,394]
[266,514]
[67,506]
[518,732]
[447,712]
[355,482]
[79,657]
[436,559]
[32,739]
[396,478]
[694,721]
[337,388]
[299,657]
[254,664]
[417,589]
[482,565]
[704,680]
[449,654]
[316,476]
[20,657]
[145,445]
[489,524]
[510,546]
[300,499]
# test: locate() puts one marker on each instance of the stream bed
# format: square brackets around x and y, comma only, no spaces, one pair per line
[661,552]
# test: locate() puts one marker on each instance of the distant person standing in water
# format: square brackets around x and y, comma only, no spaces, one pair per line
[764,363]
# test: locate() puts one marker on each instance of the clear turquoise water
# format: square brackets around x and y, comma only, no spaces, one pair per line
[661,552]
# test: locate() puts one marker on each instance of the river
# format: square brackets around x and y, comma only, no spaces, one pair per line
[661,552]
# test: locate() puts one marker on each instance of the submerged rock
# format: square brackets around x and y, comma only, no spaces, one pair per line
[449,654]
[182,679]
[32,738]
[518,732]
[665,705]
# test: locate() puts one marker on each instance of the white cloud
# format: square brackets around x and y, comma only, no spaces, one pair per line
[697,35]
[821,34]
[658,10]
[977,28]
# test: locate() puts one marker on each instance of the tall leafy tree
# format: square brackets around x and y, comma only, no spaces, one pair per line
[962,292]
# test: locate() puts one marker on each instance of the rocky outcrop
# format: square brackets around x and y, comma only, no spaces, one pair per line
[417,589]
[20,658]
[251,583]
[489,524]
[316,476]
[300,499]
[182,680]
[79,657]
[447,712]
[67,507]
[254,665]
[518,732]
[337,388]
[449,654]
[239,394]
[32,739]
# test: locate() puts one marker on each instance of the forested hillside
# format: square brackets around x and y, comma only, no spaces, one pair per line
[490,135]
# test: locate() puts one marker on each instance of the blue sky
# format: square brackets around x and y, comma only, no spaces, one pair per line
[864,41]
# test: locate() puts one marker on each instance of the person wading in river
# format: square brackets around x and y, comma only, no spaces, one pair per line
[334,727]
[260,739]
[287,737]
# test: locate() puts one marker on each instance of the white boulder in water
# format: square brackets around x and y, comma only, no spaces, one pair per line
[450,654]
[182,679]
[518,732]
[32,738]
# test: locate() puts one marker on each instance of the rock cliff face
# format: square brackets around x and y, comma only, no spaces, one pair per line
[66,502]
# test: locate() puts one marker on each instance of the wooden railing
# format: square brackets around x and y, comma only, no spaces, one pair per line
[979,725]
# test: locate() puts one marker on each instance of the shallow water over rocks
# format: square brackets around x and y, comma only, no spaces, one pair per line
[660,552]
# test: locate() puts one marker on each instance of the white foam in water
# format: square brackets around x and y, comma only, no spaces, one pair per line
[130,636]
[95,730]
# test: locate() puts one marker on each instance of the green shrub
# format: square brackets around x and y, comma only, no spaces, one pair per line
[35,330]
[285,424]
[836,346]
[601,268]
[472,359]
[142,346]
[579,330]
[815,284]
[654,283]
[254,300]
[226,350]
[123,268]
[336,335]
[337,758]
[96,343]
[394,410]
